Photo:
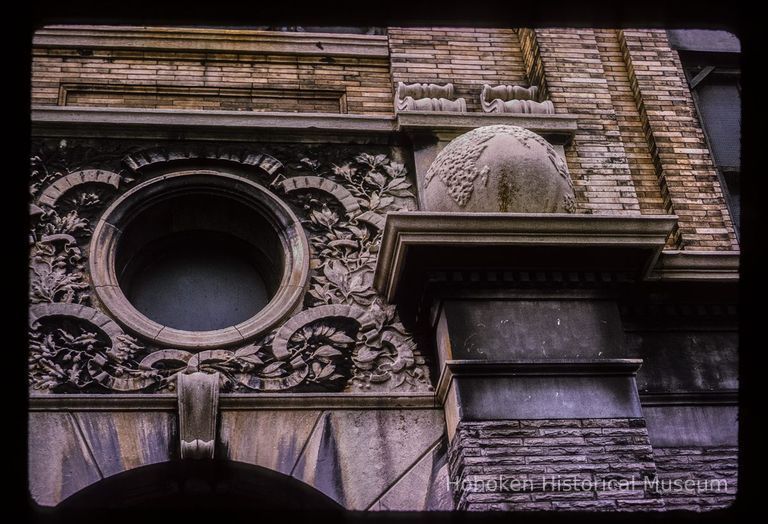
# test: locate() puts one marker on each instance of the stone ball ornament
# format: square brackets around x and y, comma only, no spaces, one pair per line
[499,168]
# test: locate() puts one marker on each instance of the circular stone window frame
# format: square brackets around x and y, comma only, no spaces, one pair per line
[287,299]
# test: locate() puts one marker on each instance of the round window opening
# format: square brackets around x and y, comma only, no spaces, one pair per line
[199,259]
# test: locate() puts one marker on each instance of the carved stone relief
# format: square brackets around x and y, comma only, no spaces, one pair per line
[427,97]
[345,338]
[514,99]
[499,168]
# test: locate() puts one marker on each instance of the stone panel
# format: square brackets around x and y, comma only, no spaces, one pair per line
[60,462]
[355,456]
[272,439]
[125,440]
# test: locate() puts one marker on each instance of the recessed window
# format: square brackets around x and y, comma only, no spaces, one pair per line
[199,259]
[179,265]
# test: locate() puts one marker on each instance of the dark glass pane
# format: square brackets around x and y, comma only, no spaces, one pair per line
[732,183]
[719,102]
[704,40]
[197,281]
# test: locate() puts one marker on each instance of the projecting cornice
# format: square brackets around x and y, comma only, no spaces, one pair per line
[415,241]
[196,40]
[697,265]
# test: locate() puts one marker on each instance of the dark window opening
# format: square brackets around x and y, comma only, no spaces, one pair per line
[710,60]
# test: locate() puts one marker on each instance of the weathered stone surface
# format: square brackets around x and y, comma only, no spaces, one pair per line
[125,440]
[272,439]
[499,168]
[198,395]
[424,487]
[675,426]
[529,329]
[355,456]
[542,397]
[60,462]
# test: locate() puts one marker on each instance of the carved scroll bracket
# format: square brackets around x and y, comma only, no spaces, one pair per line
[198,396]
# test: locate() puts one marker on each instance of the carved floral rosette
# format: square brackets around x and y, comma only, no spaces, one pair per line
[346,337]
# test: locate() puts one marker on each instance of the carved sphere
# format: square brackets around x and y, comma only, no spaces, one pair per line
[499,168]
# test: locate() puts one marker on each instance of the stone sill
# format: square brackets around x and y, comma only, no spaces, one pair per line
[238,41]
[56,116]
[415,240]
[232,401]
[558,129]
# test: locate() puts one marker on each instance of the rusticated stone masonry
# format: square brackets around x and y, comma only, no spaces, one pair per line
[711,473]
[566,464]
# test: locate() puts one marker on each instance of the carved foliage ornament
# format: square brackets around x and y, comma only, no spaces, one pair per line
[345,337]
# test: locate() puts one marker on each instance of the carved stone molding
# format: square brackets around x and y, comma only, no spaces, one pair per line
[342,336]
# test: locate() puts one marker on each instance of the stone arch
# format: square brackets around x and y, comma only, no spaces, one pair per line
[52,193]
[158,156]
[339,192]
[201,484]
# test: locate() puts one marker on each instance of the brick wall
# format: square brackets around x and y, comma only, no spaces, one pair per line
[364,82]
[604,460]
[630,126]
[467,57]
[712,472]
[577,84]
[690,186]
[639,146]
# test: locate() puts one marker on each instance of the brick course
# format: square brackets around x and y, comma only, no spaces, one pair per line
[576,83]
[364,81]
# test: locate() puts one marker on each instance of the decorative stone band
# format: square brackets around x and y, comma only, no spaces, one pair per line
[98,365]
[472,390]
[514,99]
[161,155]
[427,97]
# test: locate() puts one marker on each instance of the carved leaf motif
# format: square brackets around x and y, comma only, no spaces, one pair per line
[327,351]
[341,338]
[327,370]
